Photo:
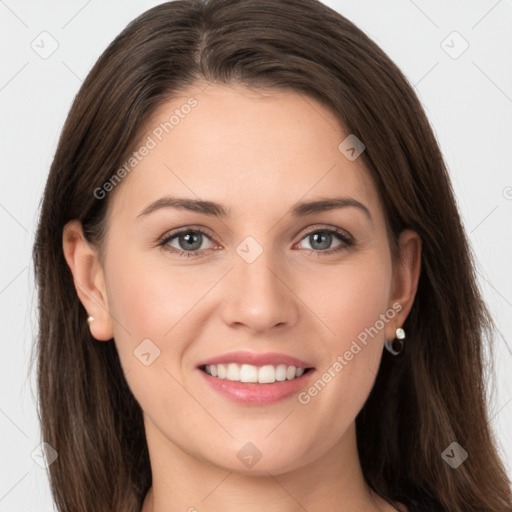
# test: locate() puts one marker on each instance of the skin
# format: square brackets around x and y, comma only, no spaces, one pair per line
[258,153]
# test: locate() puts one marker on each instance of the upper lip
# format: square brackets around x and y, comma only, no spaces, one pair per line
[257,359]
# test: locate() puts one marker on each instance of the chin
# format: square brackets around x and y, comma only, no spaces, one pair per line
[247,458]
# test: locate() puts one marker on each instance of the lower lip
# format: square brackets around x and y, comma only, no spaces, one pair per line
[254,393]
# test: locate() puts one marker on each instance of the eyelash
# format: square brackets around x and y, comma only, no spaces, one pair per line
[347,242]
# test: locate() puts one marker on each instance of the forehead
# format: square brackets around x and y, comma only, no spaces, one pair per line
[252,150]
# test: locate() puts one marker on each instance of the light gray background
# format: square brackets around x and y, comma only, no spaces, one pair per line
[468,100]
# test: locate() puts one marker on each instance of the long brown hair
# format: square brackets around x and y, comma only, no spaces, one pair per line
[431,395]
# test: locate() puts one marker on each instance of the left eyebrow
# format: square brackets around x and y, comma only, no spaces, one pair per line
[301,209]
[326,204]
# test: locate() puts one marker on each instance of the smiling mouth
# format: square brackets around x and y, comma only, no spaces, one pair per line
[267,374]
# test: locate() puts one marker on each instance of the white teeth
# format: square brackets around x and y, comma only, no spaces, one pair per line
[221,371]
[266,374]
[281,372]
[233,372]
[248,373]
[290,372]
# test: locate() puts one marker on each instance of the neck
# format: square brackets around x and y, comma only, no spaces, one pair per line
[182,482]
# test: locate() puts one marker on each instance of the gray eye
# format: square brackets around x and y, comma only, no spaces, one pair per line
[187,241]
[320,240]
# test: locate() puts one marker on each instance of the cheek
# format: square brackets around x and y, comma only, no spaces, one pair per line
[159,302]
[146,302]
[148,299]
[352,299]
[353,306]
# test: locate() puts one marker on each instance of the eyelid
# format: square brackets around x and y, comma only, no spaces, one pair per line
[327,227]
[185,229]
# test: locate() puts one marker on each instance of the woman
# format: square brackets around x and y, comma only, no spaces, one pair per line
[194,354]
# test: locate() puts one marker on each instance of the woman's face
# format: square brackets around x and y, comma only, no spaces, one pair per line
[270,277]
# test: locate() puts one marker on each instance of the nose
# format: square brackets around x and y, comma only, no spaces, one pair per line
[259,296]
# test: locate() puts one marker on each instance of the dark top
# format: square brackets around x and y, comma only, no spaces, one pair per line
[424,504]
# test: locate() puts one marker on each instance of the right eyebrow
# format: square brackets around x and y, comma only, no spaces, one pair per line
[195,205]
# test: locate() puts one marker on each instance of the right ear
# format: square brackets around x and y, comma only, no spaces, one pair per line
[83,261]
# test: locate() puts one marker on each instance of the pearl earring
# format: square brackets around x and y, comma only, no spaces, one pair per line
[90,319]
[396,345]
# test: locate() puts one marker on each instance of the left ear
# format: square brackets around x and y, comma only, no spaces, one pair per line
[406,273]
